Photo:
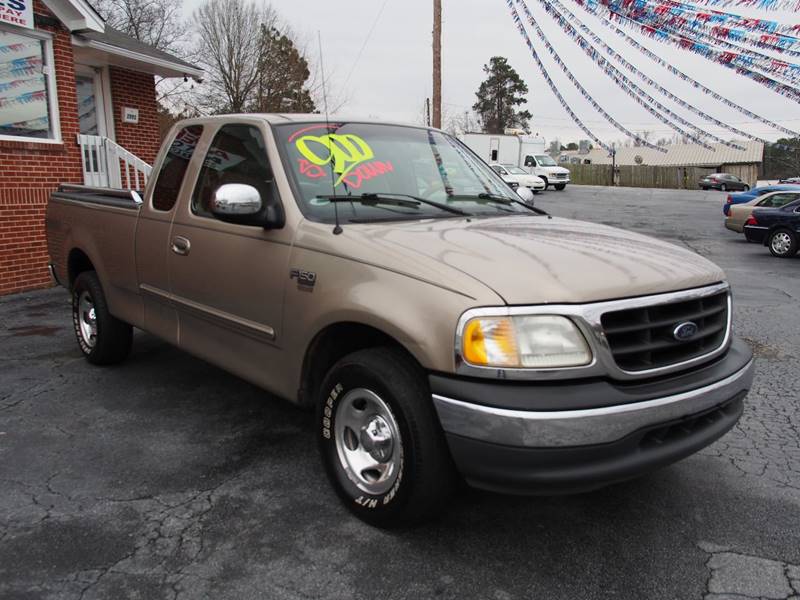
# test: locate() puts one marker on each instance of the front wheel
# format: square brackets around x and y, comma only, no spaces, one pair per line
[746,188]
[783,243]
[546,183]
[561,187]
[103,339]
[380,439]
[723,188]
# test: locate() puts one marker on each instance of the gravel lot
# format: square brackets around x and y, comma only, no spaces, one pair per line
[168,478]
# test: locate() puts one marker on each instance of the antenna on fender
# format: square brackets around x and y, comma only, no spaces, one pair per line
[337,230]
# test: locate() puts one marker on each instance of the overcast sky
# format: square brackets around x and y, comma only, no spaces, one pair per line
[392,77]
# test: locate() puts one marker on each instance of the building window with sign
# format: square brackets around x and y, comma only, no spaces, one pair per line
[27,86]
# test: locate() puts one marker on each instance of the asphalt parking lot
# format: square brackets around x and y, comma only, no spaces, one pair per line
[165,477]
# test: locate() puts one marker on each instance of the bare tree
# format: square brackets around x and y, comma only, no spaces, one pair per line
[158,23]
[230,48]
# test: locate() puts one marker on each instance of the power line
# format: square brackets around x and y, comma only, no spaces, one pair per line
[366,41]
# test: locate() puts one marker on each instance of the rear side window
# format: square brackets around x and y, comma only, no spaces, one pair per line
[174,167]
[237,155]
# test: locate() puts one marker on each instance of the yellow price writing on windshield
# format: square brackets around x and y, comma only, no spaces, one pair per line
[343,152]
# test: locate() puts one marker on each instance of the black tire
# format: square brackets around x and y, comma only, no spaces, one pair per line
[546,183]
[424,472]
[561,187]
[112,339]
[746,188]
[782,243]
[723,188]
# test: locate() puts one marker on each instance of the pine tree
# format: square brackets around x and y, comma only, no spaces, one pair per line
[282,76]
[500,96]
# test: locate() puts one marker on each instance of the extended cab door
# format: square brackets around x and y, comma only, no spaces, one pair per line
[153,232]
[228,280]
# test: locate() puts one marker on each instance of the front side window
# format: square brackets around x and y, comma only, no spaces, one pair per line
[237,155]
[378,166]
[26,83]
[173,169]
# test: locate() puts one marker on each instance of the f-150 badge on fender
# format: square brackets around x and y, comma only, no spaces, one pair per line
[305,279]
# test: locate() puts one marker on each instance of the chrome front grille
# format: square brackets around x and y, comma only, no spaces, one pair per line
[645,337]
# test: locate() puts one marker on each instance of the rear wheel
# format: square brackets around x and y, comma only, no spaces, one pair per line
[380,439]
[746,188]
[103,339]
[723,188]
[783,243]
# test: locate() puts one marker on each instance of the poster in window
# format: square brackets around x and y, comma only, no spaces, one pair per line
[17,12]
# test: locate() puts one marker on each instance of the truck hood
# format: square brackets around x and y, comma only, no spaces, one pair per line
[524,259]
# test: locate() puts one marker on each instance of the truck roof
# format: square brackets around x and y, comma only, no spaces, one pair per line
[278,118]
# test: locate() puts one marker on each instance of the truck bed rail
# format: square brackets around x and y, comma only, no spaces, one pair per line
[98,195]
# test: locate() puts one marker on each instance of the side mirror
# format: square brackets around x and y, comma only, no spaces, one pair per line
[526,195]
[236,199]
[242,204]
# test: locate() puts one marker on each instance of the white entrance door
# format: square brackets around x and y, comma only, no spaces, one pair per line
[92,121]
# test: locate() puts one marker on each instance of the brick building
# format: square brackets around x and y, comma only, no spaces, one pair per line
[77,105]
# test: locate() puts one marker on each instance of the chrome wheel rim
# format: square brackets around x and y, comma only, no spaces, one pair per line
[87,319]
[781,242]
[368,441]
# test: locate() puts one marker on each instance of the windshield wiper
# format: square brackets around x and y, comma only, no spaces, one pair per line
[393,199]
[508,201]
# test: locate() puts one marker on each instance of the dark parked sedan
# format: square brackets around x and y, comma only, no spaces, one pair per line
[776,228]
[724,182]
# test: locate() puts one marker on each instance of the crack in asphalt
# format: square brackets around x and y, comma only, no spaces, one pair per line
[741,575]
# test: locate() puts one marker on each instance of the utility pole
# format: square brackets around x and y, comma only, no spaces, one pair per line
[437,63]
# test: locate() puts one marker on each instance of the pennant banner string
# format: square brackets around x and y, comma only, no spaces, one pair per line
[521,28]
[790,5]
[640,96]
[584,92]
[696,84]
[673,14]
[558,11]
[723,58]
[749,56]
[744,57]
[728,19]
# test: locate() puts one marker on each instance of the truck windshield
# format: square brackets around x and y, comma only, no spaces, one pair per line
[371,160]
[545,161]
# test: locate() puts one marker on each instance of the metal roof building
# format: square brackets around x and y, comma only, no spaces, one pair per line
[678,155]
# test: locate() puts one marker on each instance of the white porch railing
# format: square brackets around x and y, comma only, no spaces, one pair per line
[107,164]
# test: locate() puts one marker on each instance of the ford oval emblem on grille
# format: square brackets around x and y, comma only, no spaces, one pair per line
[685,331]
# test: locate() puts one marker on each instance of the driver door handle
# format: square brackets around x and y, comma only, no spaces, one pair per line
[181,246]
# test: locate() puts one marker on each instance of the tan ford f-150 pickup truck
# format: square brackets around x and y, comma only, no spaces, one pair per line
[388,278]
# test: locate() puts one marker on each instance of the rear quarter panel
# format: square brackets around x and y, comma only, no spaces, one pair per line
[107,236]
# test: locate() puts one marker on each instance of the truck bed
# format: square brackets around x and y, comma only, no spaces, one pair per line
[100,223]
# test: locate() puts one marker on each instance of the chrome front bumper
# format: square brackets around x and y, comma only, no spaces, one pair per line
[571,428]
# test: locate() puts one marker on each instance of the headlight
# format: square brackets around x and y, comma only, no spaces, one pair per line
[534,342]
